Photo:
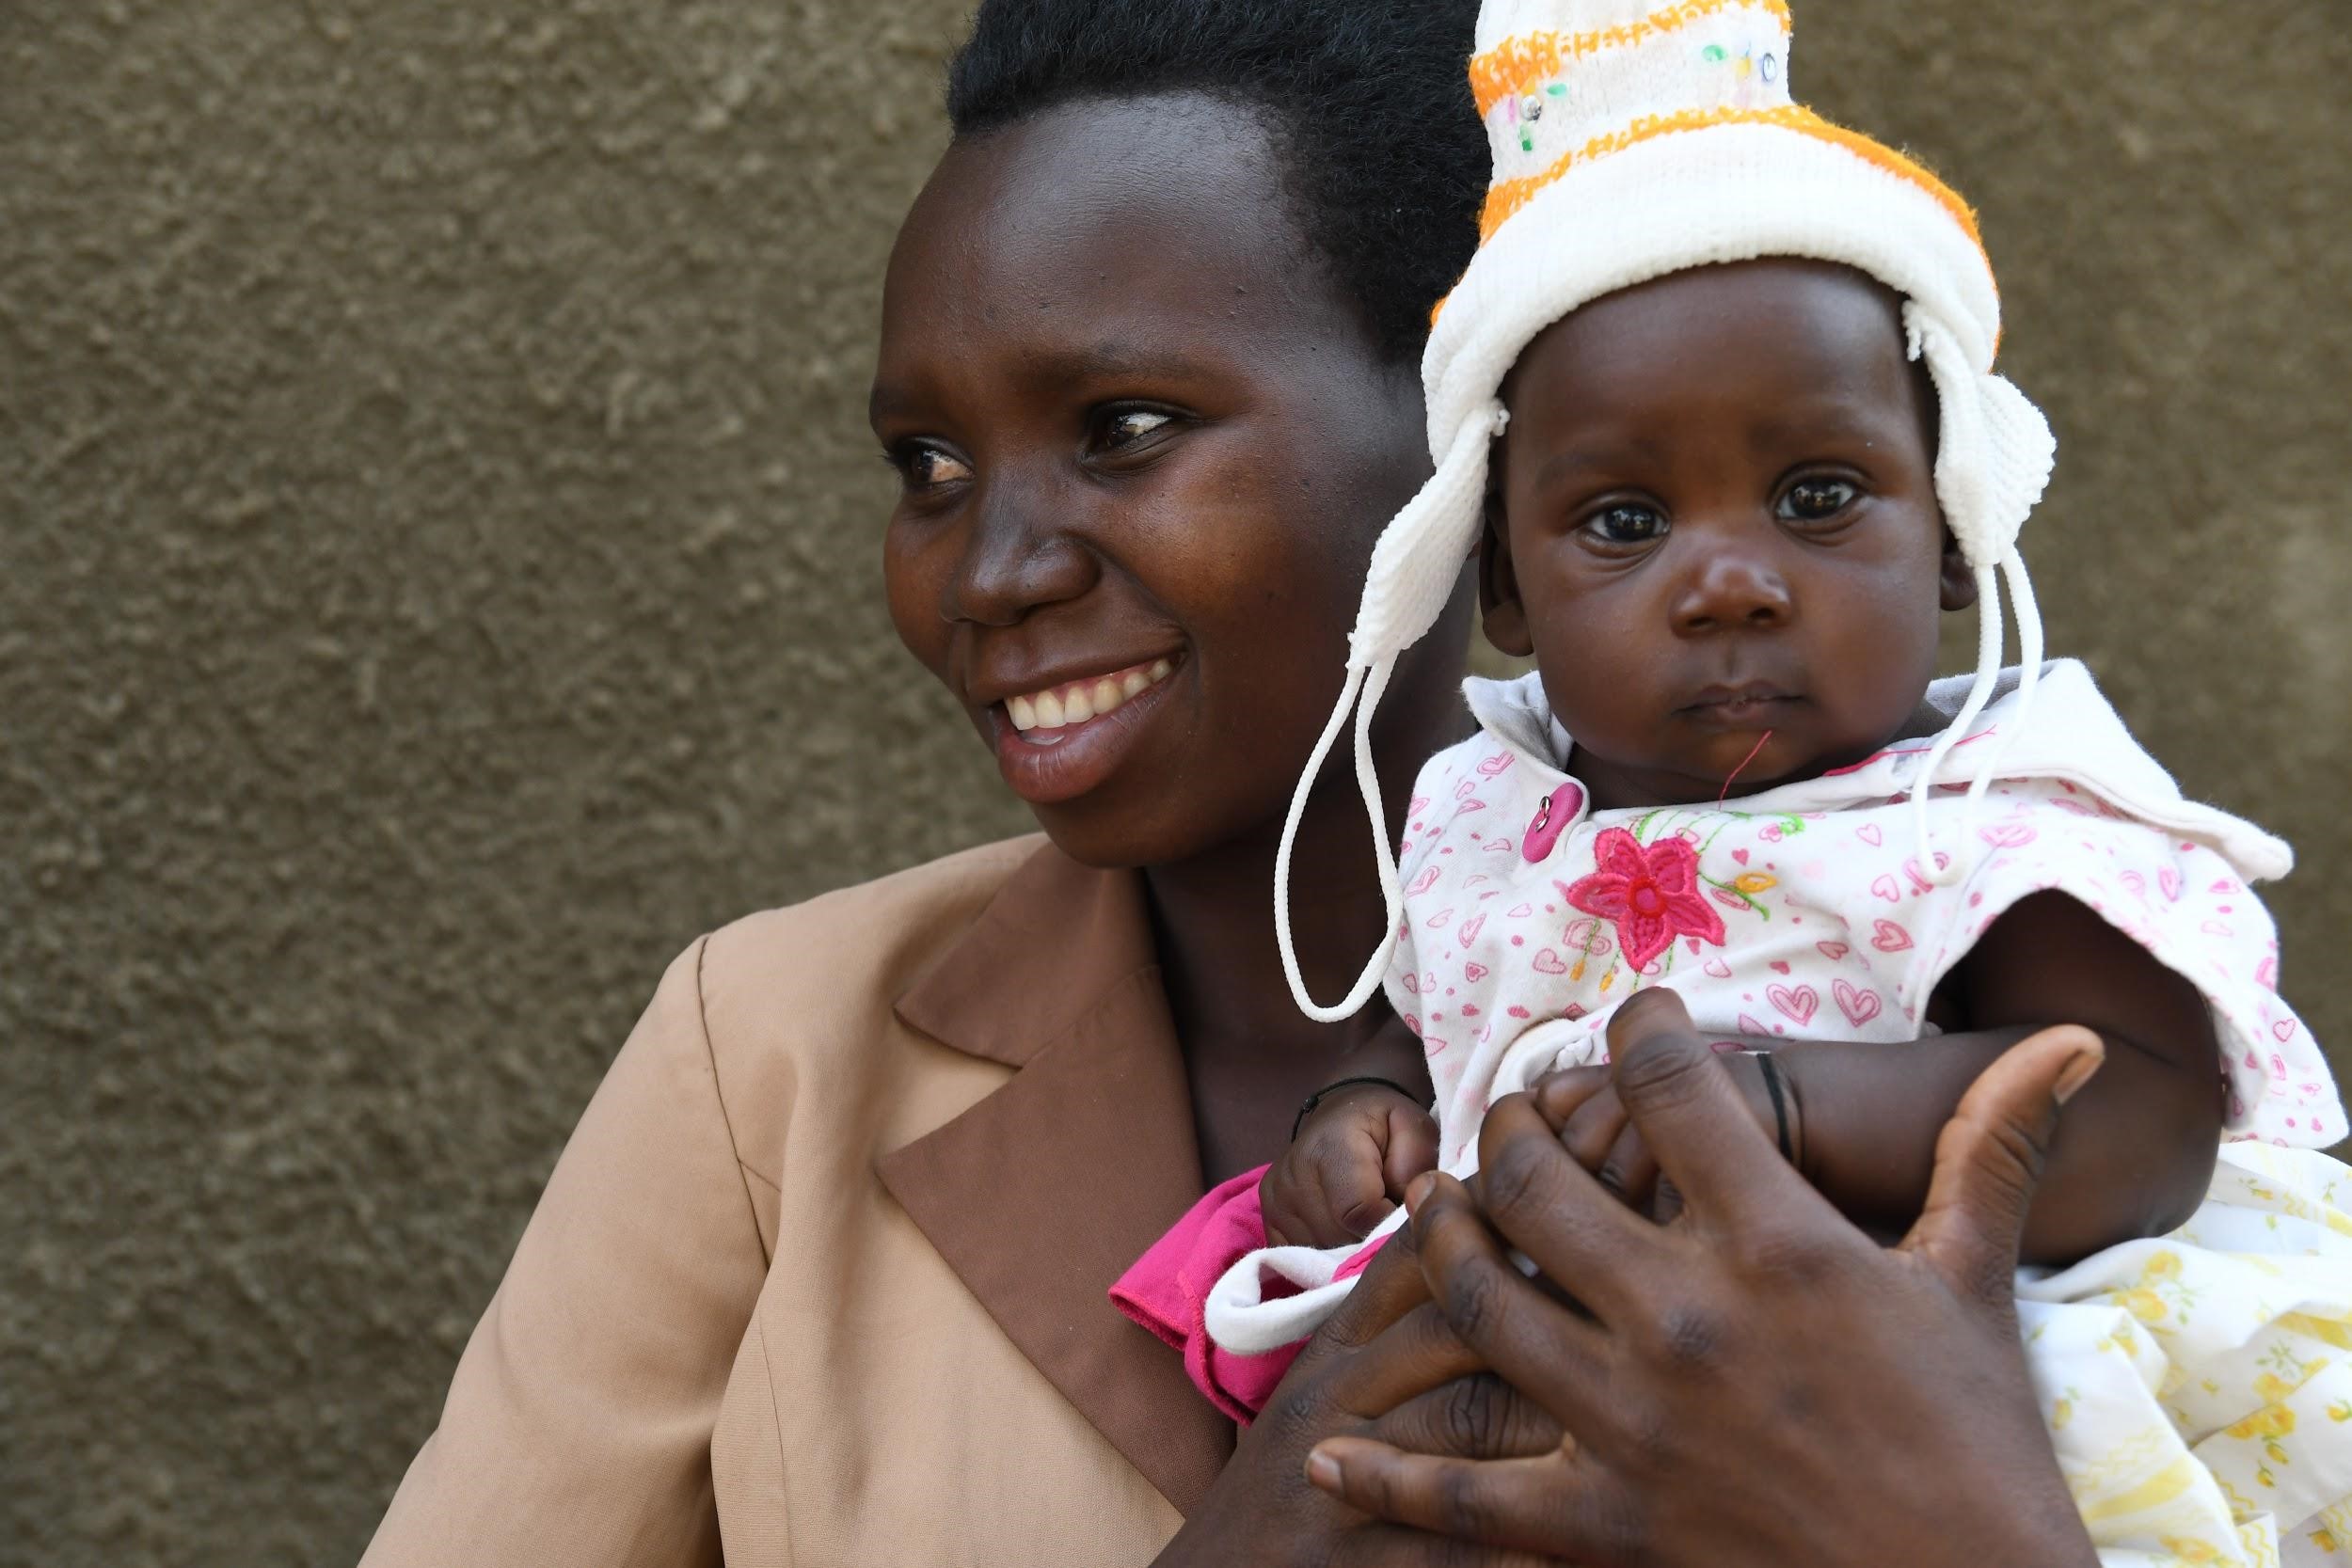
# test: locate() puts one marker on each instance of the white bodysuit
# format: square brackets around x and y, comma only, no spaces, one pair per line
[2199,1387]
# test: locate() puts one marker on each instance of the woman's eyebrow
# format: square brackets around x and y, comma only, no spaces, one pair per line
[1114,360]
[1054,367]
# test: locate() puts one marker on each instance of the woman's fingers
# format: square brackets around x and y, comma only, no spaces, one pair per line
[1630,1171]
[1558,1095]
[1471,1418]
[1695,1121]
[1989,1160]
[1382,1545]
[1538,1505]
[1412,1148]
[1545,1203]
[1418,1353]
[1389,1289]
[1593,1127]
[1539,1346]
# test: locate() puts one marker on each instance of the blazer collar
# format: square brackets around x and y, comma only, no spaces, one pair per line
[1042,1194]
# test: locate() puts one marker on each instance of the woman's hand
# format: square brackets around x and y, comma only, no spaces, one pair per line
[1386,1367]
[1758,1381]
[1585,1108]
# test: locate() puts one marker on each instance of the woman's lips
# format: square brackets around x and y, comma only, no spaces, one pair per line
[1058,744]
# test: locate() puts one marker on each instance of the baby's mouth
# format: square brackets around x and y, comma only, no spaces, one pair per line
[1740,705]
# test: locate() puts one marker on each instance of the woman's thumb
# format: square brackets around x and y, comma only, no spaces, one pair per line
[1989,1159]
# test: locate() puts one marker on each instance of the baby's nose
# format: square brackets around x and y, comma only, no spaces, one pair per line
[1733,588]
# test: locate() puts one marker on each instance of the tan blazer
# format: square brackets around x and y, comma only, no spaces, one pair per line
[819,1277]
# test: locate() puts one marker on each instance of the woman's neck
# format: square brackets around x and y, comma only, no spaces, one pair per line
[1214,915]
[1250,1056]
[1212,920]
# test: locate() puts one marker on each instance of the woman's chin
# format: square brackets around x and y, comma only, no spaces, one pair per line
[1111,831]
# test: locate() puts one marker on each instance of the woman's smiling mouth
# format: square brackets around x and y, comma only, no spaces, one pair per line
[1077,701]
[1064,740]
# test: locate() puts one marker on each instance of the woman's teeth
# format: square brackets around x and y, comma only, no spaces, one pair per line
[1083,700]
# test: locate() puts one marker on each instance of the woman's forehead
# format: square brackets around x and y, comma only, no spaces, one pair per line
[1099,217]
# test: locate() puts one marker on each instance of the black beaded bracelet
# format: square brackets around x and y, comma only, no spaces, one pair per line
[1771,1070]
[1316,1098]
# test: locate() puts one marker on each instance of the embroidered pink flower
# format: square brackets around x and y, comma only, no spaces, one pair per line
[1652,894]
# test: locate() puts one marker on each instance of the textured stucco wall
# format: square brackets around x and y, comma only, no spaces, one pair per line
[438,579]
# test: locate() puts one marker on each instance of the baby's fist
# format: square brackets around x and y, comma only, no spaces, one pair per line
[1348,1166]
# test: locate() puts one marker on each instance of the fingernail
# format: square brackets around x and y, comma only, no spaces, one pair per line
[1417,1192]
[2078,1071]
[1323,1470]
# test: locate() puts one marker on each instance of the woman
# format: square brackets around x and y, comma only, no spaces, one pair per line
[821,1276]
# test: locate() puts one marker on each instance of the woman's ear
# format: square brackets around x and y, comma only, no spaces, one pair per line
[1499,606]
[1958,578]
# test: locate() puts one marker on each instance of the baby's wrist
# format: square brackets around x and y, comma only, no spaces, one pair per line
[1349,1088]
[1771,1092]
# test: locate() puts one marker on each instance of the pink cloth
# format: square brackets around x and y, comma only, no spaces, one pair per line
[1169,1286]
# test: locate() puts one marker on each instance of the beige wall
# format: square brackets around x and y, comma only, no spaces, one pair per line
[438,579]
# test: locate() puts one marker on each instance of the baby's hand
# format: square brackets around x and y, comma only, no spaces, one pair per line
[1347,1168]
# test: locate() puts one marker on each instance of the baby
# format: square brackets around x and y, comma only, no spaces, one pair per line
[1755,450]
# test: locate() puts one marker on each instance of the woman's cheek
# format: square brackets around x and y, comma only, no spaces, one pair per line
[913,590]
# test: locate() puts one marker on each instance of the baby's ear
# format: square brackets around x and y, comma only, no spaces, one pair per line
[1959,578]
[1499,605]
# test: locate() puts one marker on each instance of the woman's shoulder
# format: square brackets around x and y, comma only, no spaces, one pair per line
[797,1009]
[854,948]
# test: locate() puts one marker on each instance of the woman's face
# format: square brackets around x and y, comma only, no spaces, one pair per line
[1145,446]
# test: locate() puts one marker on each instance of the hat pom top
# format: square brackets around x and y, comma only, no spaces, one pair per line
[1566,78]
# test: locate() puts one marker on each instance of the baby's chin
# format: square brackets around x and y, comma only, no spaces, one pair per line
[1712,774]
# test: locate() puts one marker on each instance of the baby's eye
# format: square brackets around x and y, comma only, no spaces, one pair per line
[1126,426]
[1628,523]
[927,467]
[1813,500]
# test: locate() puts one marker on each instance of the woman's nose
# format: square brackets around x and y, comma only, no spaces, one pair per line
[1014,563]
[1729,589]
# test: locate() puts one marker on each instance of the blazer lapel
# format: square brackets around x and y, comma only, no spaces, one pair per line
[1044,1193]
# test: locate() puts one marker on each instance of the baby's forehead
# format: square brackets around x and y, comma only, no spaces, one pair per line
[1847,309]
[1768,328]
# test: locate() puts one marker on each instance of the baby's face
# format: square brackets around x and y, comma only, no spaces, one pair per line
[1716,516]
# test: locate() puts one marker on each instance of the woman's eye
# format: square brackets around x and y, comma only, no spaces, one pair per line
[1130,425]
[926,467]
[1814,501]
[1628,524]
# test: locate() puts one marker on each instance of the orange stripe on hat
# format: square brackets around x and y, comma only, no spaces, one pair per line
[1511,195]
[1527,60]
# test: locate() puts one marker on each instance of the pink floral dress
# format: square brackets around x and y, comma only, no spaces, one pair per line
[1804,911]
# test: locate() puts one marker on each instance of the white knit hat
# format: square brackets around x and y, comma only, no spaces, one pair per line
[1633,139]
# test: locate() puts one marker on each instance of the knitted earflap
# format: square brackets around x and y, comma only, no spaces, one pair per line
[1994,460]
[1414,571]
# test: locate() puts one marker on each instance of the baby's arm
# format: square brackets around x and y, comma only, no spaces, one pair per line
[2136,1149]
[1353,1154]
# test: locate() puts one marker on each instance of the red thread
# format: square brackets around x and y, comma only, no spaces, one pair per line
[1742,767]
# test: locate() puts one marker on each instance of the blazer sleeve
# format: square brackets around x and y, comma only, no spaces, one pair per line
[578,1427]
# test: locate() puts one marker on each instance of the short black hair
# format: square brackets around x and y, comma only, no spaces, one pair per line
[1368,100]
